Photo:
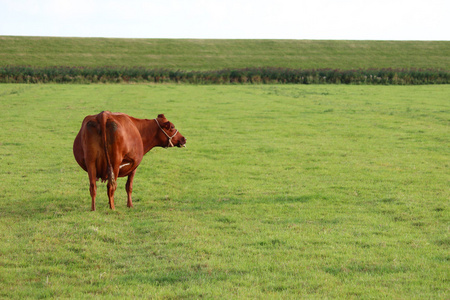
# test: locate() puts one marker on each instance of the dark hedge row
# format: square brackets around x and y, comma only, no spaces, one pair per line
[26,74]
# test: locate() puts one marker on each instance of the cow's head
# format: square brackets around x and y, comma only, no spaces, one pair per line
[169,135]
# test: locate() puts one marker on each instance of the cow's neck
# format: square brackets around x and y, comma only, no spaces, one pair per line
[149,131]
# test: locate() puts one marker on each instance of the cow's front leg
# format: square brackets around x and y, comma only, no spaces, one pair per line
[111,189]
[112,186]
[129,188]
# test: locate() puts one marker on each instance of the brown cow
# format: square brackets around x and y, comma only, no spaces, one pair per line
[111,145]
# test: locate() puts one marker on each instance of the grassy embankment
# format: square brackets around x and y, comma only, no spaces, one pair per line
[76,60]
[284,191]
[201,55]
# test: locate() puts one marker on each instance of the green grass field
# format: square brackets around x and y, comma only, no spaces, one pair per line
[283,191]
[220,54]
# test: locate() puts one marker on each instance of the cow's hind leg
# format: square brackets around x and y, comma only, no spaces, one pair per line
[129,188]
[92,185]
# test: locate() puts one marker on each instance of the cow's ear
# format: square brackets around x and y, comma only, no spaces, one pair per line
[161,116]
[166,125]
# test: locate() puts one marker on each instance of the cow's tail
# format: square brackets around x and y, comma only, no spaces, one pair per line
[102,118]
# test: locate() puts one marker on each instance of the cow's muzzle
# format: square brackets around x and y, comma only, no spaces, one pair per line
[182,142]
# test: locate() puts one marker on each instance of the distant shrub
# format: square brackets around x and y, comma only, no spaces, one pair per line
[267,75]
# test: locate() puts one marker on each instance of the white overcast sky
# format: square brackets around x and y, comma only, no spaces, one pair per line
[229,19]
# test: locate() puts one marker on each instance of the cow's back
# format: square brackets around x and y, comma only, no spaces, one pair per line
[122,140]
